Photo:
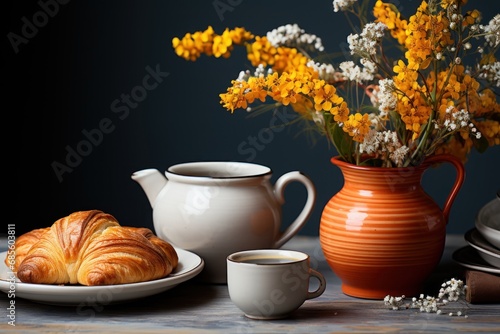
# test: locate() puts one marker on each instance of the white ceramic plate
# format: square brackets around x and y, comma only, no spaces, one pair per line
[189,266]
[488,222]
[468,257]
[486,250]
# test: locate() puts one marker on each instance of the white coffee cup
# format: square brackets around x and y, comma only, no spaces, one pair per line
[271,283]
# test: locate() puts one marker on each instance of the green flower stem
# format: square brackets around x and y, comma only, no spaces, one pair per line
[421,145]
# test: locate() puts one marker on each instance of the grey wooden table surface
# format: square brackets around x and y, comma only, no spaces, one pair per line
[196,307]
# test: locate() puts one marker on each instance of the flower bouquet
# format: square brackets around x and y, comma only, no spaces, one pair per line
[414,87]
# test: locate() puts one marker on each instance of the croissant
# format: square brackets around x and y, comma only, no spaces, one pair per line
[91,248]
[24,243]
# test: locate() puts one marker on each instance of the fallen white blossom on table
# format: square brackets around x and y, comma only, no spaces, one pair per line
[451,291]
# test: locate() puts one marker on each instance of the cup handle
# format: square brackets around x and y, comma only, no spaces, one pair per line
[322,284]
[279,192]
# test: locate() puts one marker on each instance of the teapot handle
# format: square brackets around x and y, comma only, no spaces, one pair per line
[459,179]
[279,192]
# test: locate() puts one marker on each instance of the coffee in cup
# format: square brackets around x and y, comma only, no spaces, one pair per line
[271,283]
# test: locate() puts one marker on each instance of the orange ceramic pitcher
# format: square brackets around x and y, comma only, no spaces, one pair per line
[382,234]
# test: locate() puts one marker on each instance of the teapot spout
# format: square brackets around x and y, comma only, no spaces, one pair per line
[151,181]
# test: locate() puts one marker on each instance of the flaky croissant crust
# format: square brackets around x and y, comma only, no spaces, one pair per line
[91,248]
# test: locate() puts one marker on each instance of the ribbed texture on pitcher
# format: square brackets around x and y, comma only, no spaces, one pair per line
[381,233]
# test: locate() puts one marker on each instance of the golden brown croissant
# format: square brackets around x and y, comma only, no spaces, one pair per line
[91,248]
[23,245]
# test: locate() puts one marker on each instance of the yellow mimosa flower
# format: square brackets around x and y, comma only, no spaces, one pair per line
[340,112]
[416,99]
[261,52]
[222,45]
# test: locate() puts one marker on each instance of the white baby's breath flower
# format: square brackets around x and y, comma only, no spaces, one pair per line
[243,76]
[454,288]
[369,69]
[492,31]
[355,73]
[364,44]
[291,35]
[398,156]
[384,143]
[350,71]
[341,5]
[387,100]
[260,71]
[454,120]
[491,73]
[325,71]
[395,303]
[371,142]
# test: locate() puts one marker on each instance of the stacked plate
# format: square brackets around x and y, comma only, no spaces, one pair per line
[483,252]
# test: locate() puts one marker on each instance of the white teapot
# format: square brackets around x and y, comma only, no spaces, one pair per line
[217,208]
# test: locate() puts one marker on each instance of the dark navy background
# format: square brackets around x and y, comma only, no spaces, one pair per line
[70,78]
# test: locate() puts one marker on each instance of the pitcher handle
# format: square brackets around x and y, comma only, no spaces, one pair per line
[459,179]
[279,192]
